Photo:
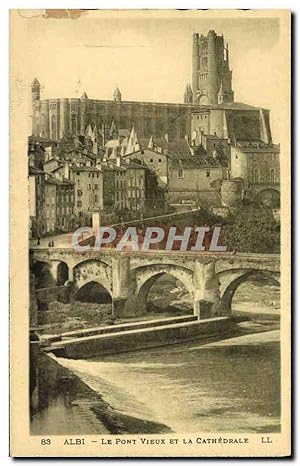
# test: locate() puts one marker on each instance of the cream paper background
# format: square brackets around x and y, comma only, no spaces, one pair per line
[21,443]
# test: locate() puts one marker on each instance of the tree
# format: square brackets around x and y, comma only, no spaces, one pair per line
[252,230]
[221,155]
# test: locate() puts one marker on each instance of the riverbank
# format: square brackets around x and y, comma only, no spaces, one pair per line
[63,404]
[167,389]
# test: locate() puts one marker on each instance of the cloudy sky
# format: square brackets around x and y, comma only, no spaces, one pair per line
[150,58]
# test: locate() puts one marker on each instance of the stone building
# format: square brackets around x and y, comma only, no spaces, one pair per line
[193,178]
[258,165]
[135,180]
[179,146]
[154,160]
[57,118]
[114,187]
[88,190]
[50,207]
[37,215]
[215,145]
[51,203]
[59,196]
[65,197]
[231,121]
[208,107]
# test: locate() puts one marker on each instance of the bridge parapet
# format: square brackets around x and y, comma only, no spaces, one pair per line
[140,258]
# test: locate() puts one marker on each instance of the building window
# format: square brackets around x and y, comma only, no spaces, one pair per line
[207,173]
[255,176]
[79,193]
[159,160]
[272,175]
[79,204]
[90,186]
[95,186]
[180,172]
[151,160]
[96,198]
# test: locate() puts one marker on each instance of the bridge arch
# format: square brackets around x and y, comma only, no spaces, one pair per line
[92,270]
[234,278]
[143,278]
[43,273]
[96,288]
[269,197]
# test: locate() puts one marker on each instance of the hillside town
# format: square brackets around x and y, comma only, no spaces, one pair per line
[155,261]
[114,161]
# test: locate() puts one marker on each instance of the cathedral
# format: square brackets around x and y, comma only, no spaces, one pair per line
[208,107]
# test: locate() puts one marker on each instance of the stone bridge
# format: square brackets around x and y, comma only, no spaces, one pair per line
[211,279]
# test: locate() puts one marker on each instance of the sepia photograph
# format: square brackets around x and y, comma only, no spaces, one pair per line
[156,216]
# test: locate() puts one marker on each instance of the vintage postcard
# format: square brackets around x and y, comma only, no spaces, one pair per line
[150,233]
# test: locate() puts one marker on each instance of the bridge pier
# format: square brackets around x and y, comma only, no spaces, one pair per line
[120,284]
[118,307]
[57,274]
[53,269]
[71,274]
[206,293]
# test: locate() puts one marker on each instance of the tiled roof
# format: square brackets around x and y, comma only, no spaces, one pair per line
[65,182]
[179,145]
[193,161]
[85,169]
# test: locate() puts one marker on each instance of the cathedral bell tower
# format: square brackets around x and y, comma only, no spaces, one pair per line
[212,78]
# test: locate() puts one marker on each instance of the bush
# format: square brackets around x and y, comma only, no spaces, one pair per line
[252,230]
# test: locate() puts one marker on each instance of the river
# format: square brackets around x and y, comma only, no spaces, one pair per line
[230,385]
